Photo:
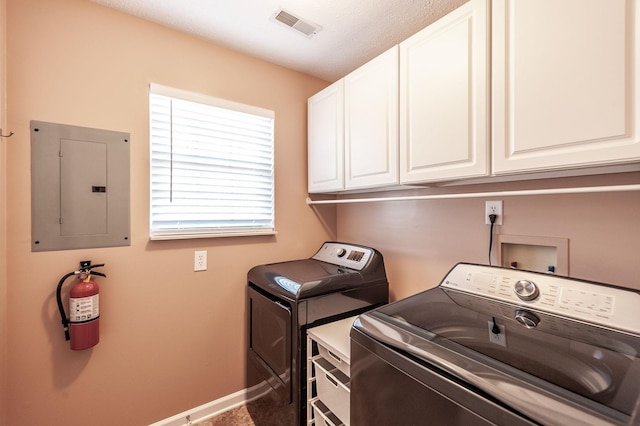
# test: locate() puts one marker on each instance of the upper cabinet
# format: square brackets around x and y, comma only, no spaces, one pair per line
[326,139]
[353,129]
[494,88]
[371,123]
[444,121]
[565,84]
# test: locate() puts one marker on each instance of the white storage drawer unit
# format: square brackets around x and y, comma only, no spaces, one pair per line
[328,368]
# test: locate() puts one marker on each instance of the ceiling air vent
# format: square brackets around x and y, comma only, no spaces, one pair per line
[305,27]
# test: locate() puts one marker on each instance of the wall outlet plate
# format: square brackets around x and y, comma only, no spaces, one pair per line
[200,261]
[500,338]
[493,207]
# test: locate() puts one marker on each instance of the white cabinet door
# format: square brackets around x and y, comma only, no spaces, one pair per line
[444,105]
[565,84]
[326,139]
[371,123]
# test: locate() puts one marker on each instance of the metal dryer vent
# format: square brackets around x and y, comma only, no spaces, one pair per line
[307,28]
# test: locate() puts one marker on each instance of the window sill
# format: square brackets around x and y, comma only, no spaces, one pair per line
[189,236]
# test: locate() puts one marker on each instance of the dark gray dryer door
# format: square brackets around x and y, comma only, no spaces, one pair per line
[270,341]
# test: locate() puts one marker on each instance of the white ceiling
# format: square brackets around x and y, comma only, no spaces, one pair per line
[352,33]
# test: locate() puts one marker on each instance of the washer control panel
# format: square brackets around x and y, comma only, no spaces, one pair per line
[591,302]
[347,255]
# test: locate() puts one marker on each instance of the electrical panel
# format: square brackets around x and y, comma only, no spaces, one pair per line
[79,187]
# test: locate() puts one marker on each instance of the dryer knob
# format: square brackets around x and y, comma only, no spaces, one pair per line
[341,252]
[526,290]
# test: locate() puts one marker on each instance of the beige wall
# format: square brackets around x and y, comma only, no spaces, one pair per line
[421,240]
[171,339]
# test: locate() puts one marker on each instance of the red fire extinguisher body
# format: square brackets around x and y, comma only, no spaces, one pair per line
[84,314]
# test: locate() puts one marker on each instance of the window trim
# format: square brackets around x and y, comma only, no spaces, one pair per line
[172,92]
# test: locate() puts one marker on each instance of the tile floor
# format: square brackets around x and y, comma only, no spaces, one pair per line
[264,409]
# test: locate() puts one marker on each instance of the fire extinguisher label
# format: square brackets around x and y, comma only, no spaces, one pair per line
[84,308]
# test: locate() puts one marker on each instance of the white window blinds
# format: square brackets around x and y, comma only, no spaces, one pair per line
[211,166]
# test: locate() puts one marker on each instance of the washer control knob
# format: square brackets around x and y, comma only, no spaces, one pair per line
[526,290]
[526,318]
[341,252]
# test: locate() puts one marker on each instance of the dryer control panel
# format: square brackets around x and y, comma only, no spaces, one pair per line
[347,255]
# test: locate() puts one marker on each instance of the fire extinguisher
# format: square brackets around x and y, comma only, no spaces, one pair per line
[82,325]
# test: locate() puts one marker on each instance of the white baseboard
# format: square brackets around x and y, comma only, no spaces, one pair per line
[216,407]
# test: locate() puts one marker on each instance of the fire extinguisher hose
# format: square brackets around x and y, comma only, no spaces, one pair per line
[63,314]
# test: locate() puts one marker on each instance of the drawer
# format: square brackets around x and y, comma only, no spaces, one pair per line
[336,359]
[333,388]
[322,416]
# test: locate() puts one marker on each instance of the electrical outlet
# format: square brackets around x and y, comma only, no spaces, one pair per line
[500,338]
[200,261]
[493,207]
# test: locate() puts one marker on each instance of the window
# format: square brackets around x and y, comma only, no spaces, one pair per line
[211,166]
